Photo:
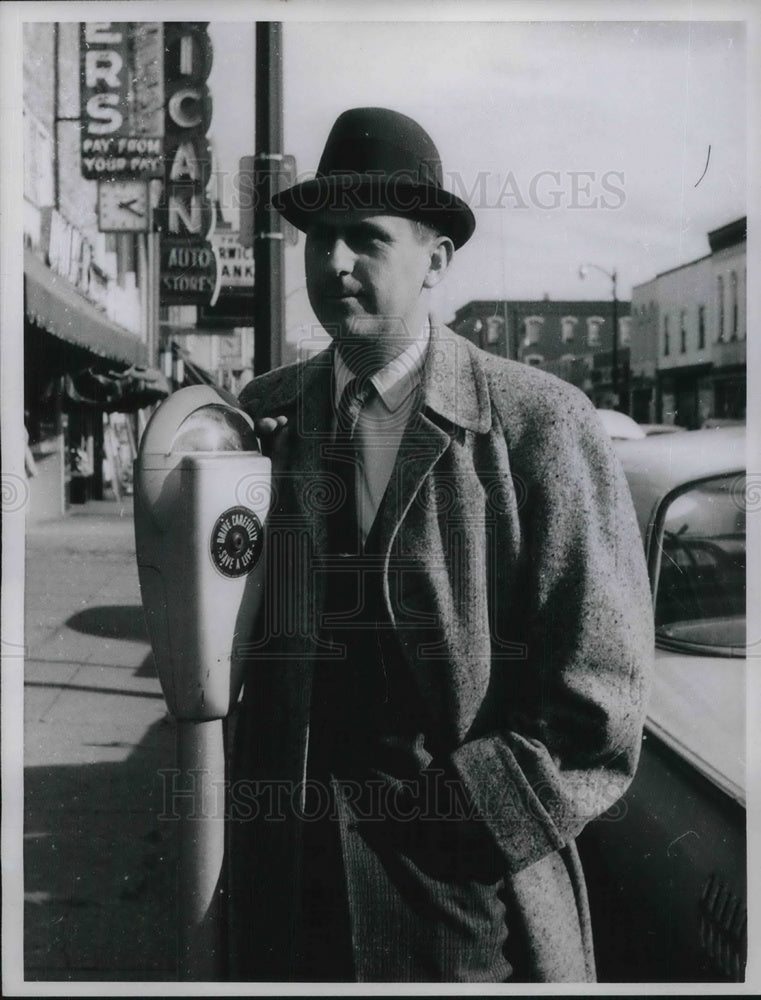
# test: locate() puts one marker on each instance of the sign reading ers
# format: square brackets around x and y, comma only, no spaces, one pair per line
[111,144]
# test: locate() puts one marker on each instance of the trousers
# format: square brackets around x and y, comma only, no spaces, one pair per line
[369,773]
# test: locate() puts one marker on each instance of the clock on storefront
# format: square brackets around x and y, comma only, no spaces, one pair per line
[123,206]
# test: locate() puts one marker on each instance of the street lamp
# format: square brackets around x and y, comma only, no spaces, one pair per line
[583,271]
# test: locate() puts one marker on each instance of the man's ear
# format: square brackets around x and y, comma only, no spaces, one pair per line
[441,255]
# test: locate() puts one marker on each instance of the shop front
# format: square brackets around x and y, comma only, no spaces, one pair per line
[730,393]
[79,367]
[686,396]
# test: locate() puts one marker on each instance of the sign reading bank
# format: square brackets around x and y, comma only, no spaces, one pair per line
[236,262]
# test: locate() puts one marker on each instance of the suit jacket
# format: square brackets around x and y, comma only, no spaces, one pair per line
[512,569]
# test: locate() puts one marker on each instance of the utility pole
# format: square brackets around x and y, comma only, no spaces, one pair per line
[614,358]
[269,306]
[153,256]
[613,275]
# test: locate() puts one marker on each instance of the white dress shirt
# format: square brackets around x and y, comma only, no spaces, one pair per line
[382,422]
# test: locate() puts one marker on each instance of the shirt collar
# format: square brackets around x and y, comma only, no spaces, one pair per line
[396,380]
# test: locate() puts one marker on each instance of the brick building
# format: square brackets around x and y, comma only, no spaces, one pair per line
[571,338]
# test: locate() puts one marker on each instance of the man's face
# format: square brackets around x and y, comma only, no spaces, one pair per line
[365,276]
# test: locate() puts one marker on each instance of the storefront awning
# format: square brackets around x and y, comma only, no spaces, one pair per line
[112,391]
[53,304]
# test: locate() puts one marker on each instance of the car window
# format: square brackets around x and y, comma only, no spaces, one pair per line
[700,592]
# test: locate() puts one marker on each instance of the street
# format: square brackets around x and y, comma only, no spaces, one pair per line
[99,862]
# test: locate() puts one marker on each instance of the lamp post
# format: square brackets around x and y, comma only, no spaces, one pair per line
[583,270]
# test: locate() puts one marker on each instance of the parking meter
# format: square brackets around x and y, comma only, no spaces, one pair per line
[201,499]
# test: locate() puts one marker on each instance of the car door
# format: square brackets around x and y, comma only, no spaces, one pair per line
[666,867]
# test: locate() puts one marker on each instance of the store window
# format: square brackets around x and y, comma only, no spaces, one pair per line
[38,162]
[720,306]
[666,342]
[683,331]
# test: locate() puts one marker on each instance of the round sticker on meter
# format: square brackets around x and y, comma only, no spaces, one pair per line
[236,541]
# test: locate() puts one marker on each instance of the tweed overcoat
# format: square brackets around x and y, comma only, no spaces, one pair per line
[513,573]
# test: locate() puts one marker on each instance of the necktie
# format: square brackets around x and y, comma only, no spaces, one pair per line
[343,523]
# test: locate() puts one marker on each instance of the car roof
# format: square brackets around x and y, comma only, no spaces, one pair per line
[661,463]
[620,425]
[662,428]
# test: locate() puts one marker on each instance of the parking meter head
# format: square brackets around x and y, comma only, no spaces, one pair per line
[215,428]
[201,499]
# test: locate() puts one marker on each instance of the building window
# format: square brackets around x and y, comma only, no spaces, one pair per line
[735,308]
[38,162]
[683,332]
[594,325]
[533,327]
[666,344]
[567,328]
[701,327]
[720,306]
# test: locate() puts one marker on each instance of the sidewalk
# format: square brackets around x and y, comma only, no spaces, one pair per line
[99,863]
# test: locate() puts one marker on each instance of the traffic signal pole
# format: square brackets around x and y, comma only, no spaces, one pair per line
[269,306]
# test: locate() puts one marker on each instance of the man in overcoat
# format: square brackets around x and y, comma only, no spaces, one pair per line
[449,673]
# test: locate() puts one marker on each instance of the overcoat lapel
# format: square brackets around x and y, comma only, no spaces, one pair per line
[454,398]
[281,674]
[303,494]
[422,445]
[415,554]
[314,413]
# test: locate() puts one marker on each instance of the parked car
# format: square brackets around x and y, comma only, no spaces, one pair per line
[666,866]
[651,429]
[713,422]
[620,426]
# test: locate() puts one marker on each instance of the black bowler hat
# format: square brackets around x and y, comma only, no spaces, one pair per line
[381,161]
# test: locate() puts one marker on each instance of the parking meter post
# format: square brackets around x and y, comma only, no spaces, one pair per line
[200,895]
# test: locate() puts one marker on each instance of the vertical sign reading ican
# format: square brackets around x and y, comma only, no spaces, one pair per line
[110,144]
[188,260]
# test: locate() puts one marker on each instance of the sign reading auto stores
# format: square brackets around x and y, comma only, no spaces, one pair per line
[188,272]
[120,101]
[186,216]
